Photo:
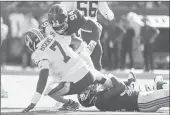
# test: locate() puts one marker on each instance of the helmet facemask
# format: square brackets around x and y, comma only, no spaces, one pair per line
[32,38]
[58,18]
[87,97]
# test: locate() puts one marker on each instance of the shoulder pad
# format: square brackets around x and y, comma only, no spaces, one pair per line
[38,56]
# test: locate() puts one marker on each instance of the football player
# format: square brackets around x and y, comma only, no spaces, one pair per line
[54,56]
[90,9]
[70,22]
[126,99]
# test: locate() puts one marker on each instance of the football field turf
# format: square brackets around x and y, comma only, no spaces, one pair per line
[21,88]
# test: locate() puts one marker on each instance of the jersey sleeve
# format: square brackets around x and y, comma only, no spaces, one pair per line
[40,59]
[105,10]
[46,29]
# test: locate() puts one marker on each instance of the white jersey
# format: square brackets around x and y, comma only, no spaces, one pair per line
[55,54]
[90,8]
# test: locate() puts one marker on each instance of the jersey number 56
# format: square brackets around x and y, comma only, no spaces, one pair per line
[89,8]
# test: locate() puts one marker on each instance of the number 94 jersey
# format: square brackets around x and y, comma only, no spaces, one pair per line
[56,55]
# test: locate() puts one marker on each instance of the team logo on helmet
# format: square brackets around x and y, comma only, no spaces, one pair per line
[32,38]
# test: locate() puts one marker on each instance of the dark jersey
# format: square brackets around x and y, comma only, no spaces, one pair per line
[43,26]
[112,103]
[75,21]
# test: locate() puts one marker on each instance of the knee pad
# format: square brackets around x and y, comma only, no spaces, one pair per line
[61,89]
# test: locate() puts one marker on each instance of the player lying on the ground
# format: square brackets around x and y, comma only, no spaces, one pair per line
[54,56]
[129,100]
[70,22]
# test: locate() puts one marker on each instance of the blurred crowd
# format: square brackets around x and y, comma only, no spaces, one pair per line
[128,35]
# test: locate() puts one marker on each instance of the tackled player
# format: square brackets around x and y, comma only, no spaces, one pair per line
[129,100]
[54,56]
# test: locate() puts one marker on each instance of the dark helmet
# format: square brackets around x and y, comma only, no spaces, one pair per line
[58,17]
[87,97]
[32,38]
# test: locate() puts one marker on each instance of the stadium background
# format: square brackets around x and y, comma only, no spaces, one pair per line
[13,45]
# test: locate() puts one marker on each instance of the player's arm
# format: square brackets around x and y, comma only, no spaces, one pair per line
[105,10]
[81,49]
[42,81]
[118,87]
[96,30]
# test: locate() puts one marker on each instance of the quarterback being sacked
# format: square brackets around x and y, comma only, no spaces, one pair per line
[69,22]
[54,56]
[126,99]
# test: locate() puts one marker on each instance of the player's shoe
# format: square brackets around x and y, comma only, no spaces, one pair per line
[4,94]
[70,106]
[131,77]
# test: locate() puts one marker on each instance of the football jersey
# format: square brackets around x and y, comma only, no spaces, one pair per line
[90,8]
[75,21]
[56,51]
[105,102]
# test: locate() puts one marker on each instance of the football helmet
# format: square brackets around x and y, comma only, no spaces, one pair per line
[87,97]
[58,17]
[32,38]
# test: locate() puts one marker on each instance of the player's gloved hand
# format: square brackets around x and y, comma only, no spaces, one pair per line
[31,106]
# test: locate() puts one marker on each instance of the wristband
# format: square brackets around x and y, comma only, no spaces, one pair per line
[36,97]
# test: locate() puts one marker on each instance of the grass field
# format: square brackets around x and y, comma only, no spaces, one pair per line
[22,87]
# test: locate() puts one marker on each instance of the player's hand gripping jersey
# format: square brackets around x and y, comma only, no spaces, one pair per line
[90,8]
[55,54]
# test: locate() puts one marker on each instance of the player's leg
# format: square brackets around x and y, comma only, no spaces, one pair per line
[153,100]
[92,77]
[57,94]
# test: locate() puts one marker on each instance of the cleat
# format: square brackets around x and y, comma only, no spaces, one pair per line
[131,77]
[70,106]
